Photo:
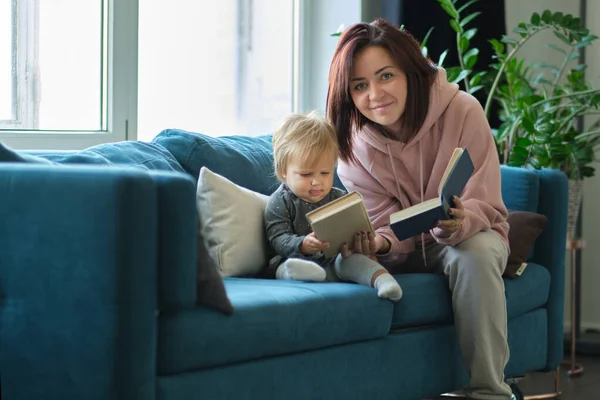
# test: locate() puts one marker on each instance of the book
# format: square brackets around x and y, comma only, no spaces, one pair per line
[338,221]
[422,217]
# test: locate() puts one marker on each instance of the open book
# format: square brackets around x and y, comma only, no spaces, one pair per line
[422,217]
[337,222]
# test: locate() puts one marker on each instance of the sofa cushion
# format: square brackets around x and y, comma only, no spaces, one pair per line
[427,299]
[136,154]
[246,161]
[231,225]
[271,317]
[525,227]
[10,155]
[520,188]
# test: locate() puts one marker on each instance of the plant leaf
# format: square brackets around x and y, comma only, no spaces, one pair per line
[528,125]
[557,18]
[457,28]
[462,75]
[474,89]
[449,8]
[463,44]
[547,16]
[562,37]
[498,46]
[509,40]
[470,58]
[539,151]
[524,142]
[426,38]
[469,18]
[442,58]
[557,48]
[517,159]
[520,151]
[534,162]
[469,34]
[464,6]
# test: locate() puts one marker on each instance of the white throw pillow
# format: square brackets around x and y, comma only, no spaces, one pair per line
[231,224]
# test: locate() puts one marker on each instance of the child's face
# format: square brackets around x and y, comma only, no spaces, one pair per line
[313,182]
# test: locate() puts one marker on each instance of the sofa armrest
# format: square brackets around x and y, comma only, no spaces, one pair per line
[550,251]
[78,282]
[177,240]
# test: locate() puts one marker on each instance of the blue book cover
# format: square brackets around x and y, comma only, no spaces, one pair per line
[422,217]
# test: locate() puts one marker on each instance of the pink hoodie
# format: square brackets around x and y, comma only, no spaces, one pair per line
[392,175]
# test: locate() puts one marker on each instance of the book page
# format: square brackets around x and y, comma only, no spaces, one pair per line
[336,205]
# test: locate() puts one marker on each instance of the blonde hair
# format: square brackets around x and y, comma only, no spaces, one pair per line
[303,138]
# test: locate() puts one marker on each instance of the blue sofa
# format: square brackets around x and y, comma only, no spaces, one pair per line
[98,292]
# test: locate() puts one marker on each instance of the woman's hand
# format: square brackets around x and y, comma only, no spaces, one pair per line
[452,225]
[364,243]
[311,245]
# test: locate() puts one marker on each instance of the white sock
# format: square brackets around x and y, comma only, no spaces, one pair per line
[360,269]
[387,287]
[296,269]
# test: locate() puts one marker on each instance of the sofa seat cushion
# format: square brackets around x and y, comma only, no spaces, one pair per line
[426,298]
[271,318]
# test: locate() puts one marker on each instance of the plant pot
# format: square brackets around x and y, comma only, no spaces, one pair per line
[575,195]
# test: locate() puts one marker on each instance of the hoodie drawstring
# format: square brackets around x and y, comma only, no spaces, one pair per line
[422,199]
[421,184]
[389,151]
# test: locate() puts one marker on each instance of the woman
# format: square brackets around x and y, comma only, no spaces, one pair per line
[398,121]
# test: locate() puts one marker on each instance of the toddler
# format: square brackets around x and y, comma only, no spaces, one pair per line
[305,152]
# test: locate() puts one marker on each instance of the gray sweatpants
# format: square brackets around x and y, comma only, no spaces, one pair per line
[474,268]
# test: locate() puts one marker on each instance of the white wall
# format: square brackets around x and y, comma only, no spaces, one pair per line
[591,216]
[517,10]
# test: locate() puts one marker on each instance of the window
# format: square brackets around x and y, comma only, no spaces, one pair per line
[17,57]
[6,75]
[63,68]
[217,68]
[69,68]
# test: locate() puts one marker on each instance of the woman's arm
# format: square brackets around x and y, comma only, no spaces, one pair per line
[482,197]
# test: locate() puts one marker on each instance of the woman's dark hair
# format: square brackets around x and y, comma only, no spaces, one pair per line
[405,50]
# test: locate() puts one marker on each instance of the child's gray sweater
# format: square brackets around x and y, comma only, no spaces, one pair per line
[286,224]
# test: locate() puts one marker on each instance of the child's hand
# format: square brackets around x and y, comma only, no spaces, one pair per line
[311,245]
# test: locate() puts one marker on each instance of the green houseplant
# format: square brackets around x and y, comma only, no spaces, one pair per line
[539,103]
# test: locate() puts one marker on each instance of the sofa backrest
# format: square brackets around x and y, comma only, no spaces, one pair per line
[520,188]
[246,161]
[128,154]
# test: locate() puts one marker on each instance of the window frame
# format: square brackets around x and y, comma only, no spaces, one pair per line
[314,47]
[120,96]
[22,80]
